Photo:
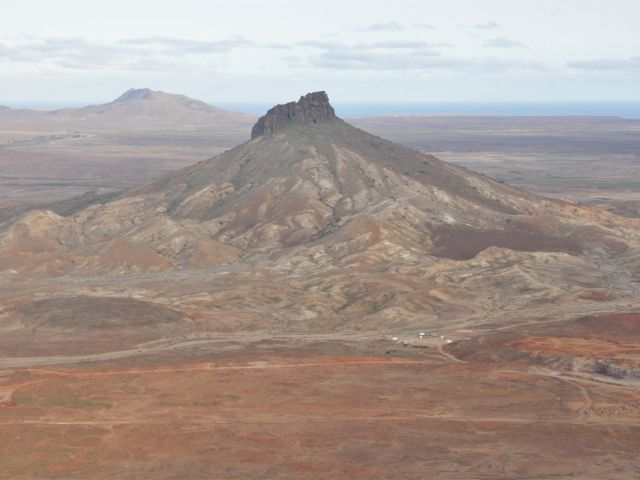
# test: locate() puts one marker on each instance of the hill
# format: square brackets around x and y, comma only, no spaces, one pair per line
[137,107]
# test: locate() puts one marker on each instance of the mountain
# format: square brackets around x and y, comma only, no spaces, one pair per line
[307,179]
[139,104]
[338,225]
[136,107]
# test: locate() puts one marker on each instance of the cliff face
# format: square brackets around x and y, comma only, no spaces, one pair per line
[311,108]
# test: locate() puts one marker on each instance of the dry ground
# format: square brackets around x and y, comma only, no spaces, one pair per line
[38,165]
[293,409]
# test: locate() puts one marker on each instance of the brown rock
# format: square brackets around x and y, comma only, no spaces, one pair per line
[310,109]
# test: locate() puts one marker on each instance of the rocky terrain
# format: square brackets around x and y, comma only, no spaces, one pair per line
[422,296]
[311,109]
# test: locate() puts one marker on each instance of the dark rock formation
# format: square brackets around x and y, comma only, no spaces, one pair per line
[311,108]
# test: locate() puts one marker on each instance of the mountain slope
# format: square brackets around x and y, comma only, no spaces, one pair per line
[302,180]
[387,233]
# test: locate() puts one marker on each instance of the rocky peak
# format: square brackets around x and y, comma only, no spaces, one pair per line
[310,109]
[135,94]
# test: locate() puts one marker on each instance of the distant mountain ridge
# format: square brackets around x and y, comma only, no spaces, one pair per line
[134,106]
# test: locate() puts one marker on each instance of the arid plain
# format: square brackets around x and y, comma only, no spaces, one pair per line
[317,302]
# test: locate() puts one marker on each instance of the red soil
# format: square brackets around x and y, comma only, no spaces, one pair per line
[574,346]
[291,414]
[583,344]
[597,296]
[463,243]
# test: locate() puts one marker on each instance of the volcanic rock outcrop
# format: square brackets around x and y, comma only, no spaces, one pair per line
[310,109]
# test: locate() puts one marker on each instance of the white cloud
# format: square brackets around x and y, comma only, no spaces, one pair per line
[394,26]
[384,50]
[386,45]
[423,26]
[419,59]
[136,53]
[606,64]
[503,42]
[401,55]
[188,46]
[485,26]
[391,26]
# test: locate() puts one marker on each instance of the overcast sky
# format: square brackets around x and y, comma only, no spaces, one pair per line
[274,50]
